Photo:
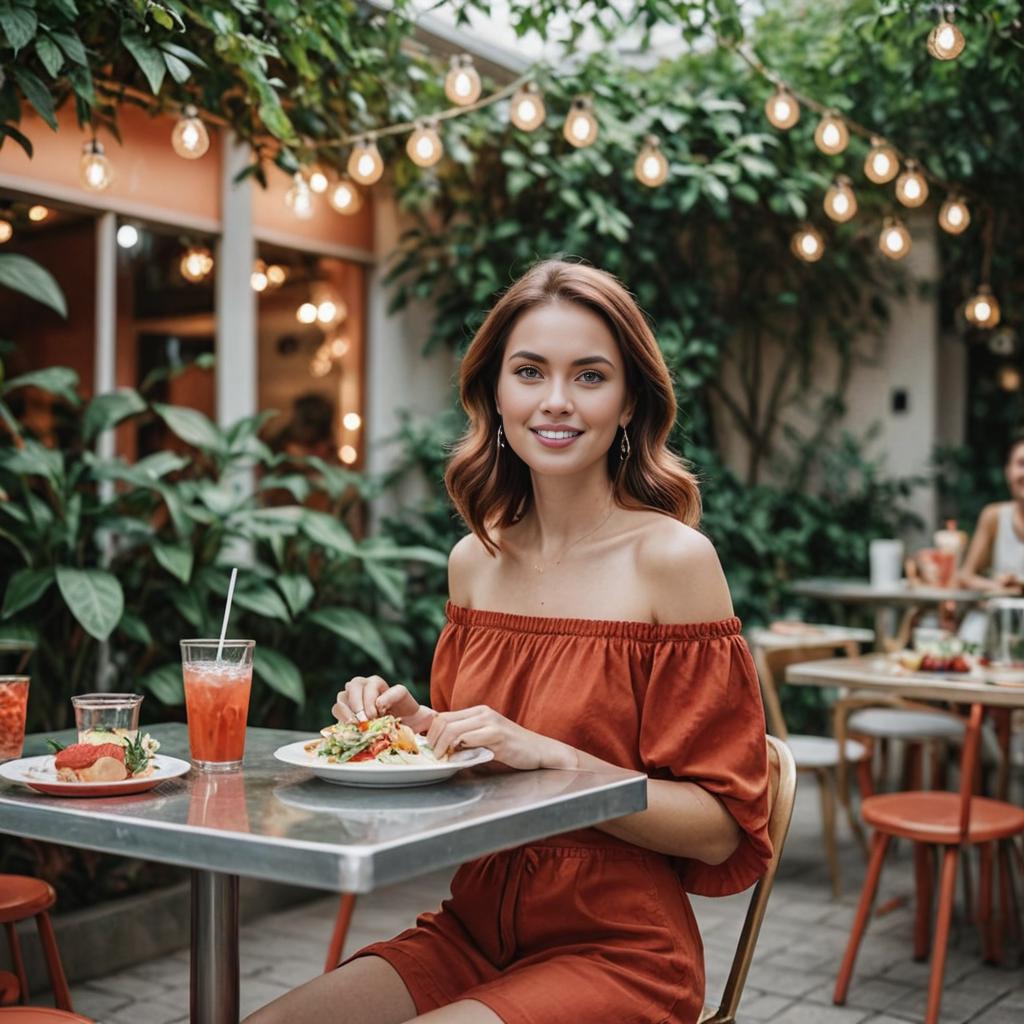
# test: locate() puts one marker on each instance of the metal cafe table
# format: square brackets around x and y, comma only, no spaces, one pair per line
[273,821]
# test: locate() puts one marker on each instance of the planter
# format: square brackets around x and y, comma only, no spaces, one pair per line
[109,937]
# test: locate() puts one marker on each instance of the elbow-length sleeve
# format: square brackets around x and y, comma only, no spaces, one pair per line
[702,721]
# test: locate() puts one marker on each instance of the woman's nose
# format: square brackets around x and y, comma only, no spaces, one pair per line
[556,399]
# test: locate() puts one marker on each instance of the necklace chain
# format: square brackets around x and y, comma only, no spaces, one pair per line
[589,533]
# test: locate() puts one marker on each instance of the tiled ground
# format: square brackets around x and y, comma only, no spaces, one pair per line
[791,979]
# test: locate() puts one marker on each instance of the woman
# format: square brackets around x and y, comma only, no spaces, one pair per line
[998,543]
[589,624]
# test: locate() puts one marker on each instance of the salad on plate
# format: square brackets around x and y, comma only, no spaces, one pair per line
[384,740]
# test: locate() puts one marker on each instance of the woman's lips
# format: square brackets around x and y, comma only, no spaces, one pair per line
[556,442]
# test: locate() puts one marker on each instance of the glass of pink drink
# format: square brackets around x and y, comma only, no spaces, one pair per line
[13,705]
[217,701]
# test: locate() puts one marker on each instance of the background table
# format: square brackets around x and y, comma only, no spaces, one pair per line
[270,820]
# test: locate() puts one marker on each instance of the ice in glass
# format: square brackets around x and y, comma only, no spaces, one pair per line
[13,705]
[217,700]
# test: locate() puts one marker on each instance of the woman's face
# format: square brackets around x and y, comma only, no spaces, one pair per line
[561,388]
[1015,472]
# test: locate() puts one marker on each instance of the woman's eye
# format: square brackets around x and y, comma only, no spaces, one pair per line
[529,372]
[591,376]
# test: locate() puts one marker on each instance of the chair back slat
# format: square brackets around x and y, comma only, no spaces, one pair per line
[782,793]
[969,765]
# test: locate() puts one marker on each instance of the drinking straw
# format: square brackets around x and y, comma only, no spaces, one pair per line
[227,612]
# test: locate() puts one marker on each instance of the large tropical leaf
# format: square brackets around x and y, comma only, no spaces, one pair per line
[106,411]
[175,558]
[280,673]
[165,683]
[263,601]
[191,426]
[94,597]
[359,630]
[26,276]
[326,530]
[25,588]
[57,380]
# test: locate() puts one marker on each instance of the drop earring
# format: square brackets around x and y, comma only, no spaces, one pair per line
[501,437]
[624,446]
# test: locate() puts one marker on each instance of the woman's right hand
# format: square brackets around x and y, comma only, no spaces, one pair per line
[366,697]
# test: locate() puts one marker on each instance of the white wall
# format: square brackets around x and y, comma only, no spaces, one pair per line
[398,375]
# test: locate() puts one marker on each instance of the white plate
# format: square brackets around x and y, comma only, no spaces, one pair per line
[373,773]
[39,774]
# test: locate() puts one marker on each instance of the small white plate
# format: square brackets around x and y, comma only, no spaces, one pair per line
[39,774]
[375,774]
[1005,675]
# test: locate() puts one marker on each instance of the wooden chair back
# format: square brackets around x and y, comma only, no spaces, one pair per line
[781,796]
[771,668]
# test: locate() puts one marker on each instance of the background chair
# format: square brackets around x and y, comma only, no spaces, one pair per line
[822,756]
[22,897]
[951,822]
[783,793]
[39,1015]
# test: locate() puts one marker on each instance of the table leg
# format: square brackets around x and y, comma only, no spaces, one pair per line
[213,975]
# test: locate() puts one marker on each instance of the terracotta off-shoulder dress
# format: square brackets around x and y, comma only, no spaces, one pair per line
[586,928]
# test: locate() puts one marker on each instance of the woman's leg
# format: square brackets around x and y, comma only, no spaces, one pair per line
[323,998]
[464,1011]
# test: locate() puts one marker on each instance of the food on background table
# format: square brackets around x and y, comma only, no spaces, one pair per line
[791,627]
[13,704]
[383,739]
[105,756]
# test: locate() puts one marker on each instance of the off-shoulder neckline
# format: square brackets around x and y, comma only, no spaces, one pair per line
[618,628]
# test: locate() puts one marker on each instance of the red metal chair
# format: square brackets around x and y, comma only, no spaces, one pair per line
[40,1015]
[22,897]
[341,923]
[951,822]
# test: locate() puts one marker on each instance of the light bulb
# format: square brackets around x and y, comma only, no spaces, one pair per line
[462,83]
[6,231]
[894,240]
[982,309]
[881,164]
[651,167]
[911,186]
[946,41]
[320,367]
[954,216]
[347,454]
[318,180]
[127,236]
[258,278]
[527,110]
[352,421]
[831,136]
[580,127]
[345,197]
[807,244]
[95,169]
[326,312]
[306,313]
[782,108]
[276,275]
[38,213]
[190,138]
[339,348]
[1009,378]
[364,163]
[424,146]
[840,200]
[196,263]
[299,197]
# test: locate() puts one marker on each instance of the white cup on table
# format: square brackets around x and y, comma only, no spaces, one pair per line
[886,560]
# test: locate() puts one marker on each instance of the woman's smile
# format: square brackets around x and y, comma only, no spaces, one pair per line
[556,437]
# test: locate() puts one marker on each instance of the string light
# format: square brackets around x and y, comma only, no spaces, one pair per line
[347,454]
[196,263]
[424,146]
[881,164]
[840,201]
[339,348]
[946,41]
[831,136]
[299,197]
[258,278]
[345,197]
[1009,378]
[580,128]
[318,179]
[190,139]
[894,240]
[365,164]
[527,110]
[6,231]
[807,244]
[782,108]
[306,313]
[651,167]
[276,275]
[127,236]
[462,83]
[95,169]
[352,421]
[911,186]
[38,213]
[982,309]
[954,216]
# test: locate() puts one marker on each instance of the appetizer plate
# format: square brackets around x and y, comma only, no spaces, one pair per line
[38,773]
[373,773]
[1005,675]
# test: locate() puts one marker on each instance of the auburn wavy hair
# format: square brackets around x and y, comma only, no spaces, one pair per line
[491,485]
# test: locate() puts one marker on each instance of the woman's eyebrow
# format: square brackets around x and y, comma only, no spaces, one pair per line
[522,354]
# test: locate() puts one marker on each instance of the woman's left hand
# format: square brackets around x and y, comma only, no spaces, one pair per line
[513,745]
